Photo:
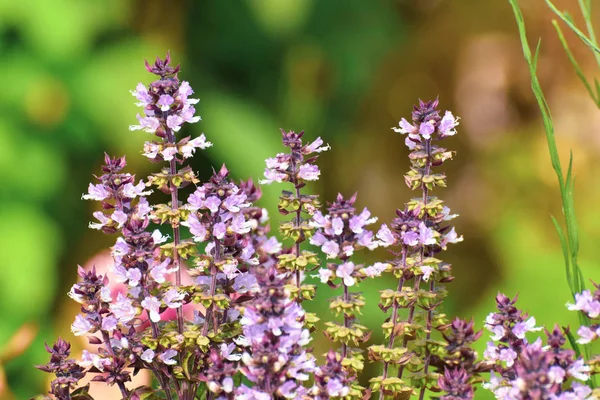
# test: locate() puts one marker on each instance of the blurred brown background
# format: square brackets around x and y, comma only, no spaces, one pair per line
[343,70]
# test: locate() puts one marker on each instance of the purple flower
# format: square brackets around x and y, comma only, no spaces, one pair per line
[81,326]
[586,335]
[172,298]
[147,355]
[123,309]
[159,271]
[426,129]
[427,271]
[109,323]
[315,147]
[219,230]
[141,93]
[96,192]
[345,271]
[167,357]
[385,236]
[331,249]
[164,102]
[447,124]
[189,148]
[212,203]
[585,302]
[309,172]
[405,127]
[174,122]
[426,235]
[152,305]
[148,124]
[521,328]
[168,153]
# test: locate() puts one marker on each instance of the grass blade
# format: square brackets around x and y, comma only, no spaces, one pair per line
[574,62]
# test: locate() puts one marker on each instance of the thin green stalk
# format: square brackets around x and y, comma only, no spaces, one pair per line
[586,10]
[574,63]
[567,20]
[570,241]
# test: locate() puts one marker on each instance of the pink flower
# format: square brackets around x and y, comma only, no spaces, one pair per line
[174,122]
[345,271]
[447,124]
[81,326]
[96,192]
[148,124]
[187,150]
[165,102]
[309,172]
[385,236]
[167,357]
[152,304]
[141,93]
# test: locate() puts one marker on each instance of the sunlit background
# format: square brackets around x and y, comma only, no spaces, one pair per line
[343,70]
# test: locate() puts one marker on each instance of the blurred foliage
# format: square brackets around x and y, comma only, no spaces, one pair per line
[343,70]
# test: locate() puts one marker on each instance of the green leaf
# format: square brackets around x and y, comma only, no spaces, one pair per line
[574,62]
[587,41]
[574,344]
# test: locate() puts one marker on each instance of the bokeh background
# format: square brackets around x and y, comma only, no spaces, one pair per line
[345,70]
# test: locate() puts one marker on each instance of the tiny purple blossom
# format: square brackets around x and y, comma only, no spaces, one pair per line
[386,236]
[109,323]
[314,147]
[187,150]
[447,124]
[212,203]
[426,235]
[141,93]
[96,192]
[345,271]
[426,129]
[167,357]
[427,271]
[165,102]
[579,370]
[147,355]
[172,298]
[405,127]
[219,230]
[148,124]
[159,271]
[81,326]
[586,335]
[169,153]
[123,309]
[309,172]
[174,122]
[331,249]
[152,305]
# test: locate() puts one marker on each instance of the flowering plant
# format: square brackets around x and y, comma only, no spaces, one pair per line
[213,306]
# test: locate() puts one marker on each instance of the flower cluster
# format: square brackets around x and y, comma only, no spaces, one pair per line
[525,370]
[68,372]
[217,309]
[589,304]
[420,231]
[217,218]
[296,167]
[274,336]
[340,233]
[459,366]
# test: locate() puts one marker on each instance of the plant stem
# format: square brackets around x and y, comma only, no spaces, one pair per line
[394,319]
[346,322]
[176,233]
[213,287]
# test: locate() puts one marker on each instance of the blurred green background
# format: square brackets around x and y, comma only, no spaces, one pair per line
[343,70]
